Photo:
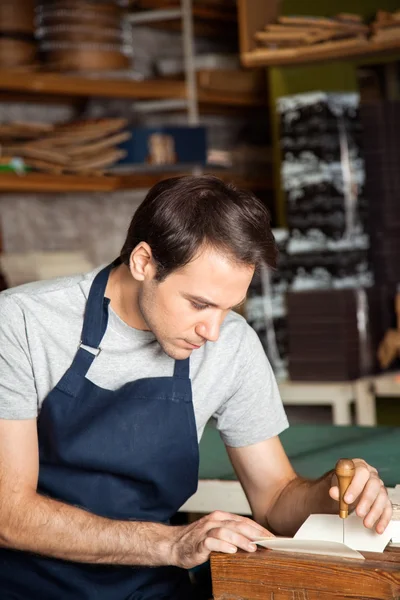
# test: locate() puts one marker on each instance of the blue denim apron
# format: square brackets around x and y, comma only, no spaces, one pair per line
[129,454]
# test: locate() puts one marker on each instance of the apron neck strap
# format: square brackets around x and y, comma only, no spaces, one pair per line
[96,311]
[181,369]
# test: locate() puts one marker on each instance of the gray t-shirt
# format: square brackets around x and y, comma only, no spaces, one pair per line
[40,329]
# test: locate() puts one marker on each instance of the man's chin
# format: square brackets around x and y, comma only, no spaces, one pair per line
[177,353]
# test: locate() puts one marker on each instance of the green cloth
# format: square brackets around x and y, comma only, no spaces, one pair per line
[314,449]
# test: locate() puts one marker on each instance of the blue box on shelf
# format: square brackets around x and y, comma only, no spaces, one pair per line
[152,147]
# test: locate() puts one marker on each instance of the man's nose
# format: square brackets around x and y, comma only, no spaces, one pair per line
[209,329]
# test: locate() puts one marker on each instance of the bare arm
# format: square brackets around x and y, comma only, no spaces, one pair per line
[282,501]
[279,499]
[31,522]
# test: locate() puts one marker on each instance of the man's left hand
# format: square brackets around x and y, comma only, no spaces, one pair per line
[368,495]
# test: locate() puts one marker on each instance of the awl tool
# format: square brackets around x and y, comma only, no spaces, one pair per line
[344,471]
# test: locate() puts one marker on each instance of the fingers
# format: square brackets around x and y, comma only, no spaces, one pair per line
[334,492]
[223,537]
[211,544]
[361,477]
[368,491]
[218,532]
[239,533]
[385,518]
[373,494]
[380,512]
[222,516]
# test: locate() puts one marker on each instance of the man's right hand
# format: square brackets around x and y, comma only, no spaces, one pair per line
[217,532]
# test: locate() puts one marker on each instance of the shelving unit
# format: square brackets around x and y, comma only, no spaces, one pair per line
[193,94]
[255,14]
[44,83]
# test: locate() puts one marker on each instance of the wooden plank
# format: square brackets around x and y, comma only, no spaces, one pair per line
[41,86]
[212,11]
[51,183]
[72,85]
[320,52]
[288,576]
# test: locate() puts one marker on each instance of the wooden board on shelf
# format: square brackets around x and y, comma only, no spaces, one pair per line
[366,50]
[44,85]
[48,183]
[35,82]
[213,11]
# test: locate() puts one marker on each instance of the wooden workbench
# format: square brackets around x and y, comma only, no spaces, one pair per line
[272,575]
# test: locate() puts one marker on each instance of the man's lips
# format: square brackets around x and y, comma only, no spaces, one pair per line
[193,345]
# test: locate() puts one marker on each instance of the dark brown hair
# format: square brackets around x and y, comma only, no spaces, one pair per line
[181,214]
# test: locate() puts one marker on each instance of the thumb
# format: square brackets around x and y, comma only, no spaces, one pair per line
[334,492]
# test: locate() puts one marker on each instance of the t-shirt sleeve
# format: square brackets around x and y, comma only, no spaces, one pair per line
[253,411]
[18,397]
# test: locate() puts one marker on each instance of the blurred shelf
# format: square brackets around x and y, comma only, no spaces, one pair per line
[43,83]
[367,51]
[215,10]
[51,183]
[47,182]
[208,17]
[36,82]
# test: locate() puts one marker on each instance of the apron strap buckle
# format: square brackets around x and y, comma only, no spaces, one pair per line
[94,351]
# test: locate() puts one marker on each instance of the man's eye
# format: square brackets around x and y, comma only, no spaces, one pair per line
[198,306]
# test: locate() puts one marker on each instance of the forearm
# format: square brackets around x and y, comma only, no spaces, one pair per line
[45,526]
[299,499]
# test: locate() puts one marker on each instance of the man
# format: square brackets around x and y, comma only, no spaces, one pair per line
[106,383]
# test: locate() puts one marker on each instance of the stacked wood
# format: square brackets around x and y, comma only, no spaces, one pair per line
[80,147]
[298,39]
[17,42]
[82,36]
[386,26]
[313,34]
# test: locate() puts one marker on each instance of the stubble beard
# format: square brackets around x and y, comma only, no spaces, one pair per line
[168,348]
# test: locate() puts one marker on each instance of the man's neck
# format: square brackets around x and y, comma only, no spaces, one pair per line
[123,291]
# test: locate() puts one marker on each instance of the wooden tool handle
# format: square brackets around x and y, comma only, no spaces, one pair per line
[344,470]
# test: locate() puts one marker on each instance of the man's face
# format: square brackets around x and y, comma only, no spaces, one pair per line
[187,309]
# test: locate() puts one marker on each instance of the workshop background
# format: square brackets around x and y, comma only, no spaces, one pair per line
[292,100]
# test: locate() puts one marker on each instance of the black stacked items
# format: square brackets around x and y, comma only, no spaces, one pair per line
[323,178]
[331,335]
[317,112]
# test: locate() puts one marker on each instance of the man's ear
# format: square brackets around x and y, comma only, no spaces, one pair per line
[141,262]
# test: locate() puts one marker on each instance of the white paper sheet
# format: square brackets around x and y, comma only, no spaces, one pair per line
[329,528]
[309,547]
[323,534]
[395,531]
